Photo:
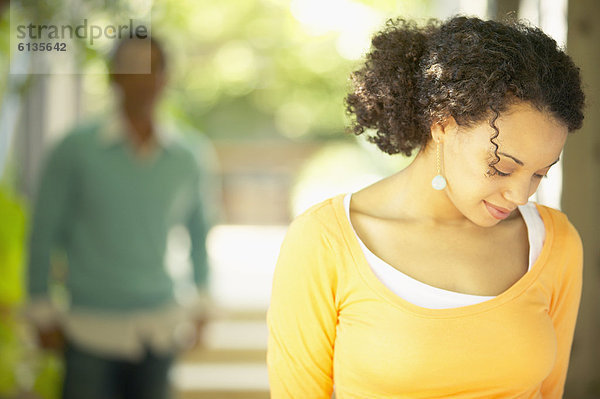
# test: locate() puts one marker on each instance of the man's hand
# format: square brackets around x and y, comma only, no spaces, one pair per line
[6,313]
[51,339]
[200,327]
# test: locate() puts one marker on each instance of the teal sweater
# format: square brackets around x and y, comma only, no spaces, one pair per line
[111,213]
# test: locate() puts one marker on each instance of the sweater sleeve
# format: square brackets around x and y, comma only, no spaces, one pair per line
[198,230]
[563,310]
[302,316]
[52,206]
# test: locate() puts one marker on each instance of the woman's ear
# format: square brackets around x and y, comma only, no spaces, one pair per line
[440,129]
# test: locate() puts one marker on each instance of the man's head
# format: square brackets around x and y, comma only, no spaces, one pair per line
[138,69]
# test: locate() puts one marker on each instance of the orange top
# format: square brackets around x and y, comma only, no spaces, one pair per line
[332,321]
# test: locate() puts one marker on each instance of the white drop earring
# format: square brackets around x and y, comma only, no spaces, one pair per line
[438,182]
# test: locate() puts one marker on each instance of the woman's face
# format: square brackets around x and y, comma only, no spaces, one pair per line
[529,143]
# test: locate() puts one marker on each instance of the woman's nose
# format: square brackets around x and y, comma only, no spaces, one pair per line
[518,193]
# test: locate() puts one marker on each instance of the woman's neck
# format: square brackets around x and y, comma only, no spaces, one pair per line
[410,196]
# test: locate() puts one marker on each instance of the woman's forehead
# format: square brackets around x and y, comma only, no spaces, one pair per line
[529,137]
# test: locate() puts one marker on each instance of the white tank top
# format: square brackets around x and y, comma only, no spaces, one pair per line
[430,297]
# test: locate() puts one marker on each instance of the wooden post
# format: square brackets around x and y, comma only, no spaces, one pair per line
[581,198]
[498,9]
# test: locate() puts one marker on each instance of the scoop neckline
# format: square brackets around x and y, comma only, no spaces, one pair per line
[378,287]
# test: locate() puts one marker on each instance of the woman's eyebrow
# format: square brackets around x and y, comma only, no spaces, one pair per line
[521,162]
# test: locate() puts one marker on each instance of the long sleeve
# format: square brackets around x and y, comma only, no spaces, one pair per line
[563,310]
[302,316]
[198,229]
[50,216]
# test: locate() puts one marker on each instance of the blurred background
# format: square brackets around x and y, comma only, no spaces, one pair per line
[261,84]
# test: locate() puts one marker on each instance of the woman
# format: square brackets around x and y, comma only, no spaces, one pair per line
[441,280]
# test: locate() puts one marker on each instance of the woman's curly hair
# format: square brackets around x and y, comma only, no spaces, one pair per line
[466,68]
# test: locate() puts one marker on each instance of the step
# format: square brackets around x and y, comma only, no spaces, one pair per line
[223,395]
[220,377]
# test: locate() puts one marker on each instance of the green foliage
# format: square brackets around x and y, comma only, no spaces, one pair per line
[247,69]
[4,52]
[262,68]
[12,239]
[10,354]
[49,376]
[24,370]
[20,368]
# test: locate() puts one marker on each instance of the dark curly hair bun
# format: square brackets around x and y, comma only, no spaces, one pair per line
[466,68]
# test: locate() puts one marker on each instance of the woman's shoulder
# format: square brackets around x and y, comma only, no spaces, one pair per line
[325,210]
[324,218]
[315,235]
[561,224]
[567,246]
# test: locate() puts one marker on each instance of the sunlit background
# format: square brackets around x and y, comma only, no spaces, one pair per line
[259,86]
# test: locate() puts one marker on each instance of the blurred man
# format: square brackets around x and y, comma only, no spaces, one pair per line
[108,196]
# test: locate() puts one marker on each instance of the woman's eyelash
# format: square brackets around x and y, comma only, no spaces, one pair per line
[499,173]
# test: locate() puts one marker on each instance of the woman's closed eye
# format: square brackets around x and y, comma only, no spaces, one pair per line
[503,174]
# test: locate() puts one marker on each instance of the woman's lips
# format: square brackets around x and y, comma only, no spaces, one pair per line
[497,212]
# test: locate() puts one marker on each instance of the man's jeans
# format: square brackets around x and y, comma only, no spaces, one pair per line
[91,376]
